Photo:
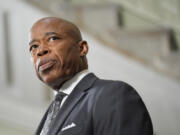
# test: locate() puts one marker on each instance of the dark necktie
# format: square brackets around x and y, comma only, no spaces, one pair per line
[54,109]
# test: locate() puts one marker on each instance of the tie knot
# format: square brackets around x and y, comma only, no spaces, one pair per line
[59,96]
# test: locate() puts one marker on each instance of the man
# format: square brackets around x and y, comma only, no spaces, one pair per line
[86,105]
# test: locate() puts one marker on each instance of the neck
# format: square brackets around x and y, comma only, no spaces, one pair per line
[57,84]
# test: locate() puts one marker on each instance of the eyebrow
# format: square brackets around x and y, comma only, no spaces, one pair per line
[50,33]
[33,40]
[46,34]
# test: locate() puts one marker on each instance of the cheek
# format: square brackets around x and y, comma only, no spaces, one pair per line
[59,59]
[68,57]
[62,54]
[34,65]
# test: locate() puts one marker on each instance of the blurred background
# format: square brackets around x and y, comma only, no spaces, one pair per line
[136,41]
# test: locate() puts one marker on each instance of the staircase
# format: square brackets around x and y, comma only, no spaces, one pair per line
[153,44]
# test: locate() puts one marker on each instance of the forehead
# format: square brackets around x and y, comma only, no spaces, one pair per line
[40,28]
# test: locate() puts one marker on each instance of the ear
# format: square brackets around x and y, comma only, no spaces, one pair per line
[83,46]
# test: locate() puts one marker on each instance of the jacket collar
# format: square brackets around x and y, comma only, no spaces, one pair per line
[69,85]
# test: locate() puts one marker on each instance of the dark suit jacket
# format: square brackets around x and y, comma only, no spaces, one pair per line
[101,107]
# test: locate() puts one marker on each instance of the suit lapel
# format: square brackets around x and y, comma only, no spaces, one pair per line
[72,100]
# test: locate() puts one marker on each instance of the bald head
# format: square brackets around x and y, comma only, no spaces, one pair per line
[65,26]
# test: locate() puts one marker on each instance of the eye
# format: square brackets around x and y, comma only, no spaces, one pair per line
[33,47]
[53,38]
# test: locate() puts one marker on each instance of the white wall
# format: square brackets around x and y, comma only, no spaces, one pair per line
[23,99]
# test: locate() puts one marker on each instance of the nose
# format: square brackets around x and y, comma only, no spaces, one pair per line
[42,51]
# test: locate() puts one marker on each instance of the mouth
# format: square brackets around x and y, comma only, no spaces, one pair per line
[45,65]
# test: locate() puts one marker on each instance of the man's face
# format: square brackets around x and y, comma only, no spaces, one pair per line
[55,55]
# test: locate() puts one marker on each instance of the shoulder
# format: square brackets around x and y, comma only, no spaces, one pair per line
[111,93]
[111,87]
[117,103]
[116,95]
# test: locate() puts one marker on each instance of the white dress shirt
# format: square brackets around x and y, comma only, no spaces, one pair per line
[69,85]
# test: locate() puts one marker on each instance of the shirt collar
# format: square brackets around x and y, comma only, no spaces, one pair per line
[69,85]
